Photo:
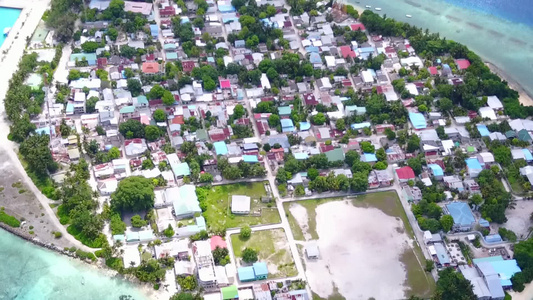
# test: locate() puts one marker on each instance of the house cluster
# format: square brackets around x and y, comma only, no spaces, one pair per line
[258,291]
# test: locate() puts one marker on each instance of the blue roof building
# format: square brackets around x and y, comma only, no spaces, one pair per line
[493,238]
[527,155]
[154,30]
[312,49]
[246,274]
[260,270]
[284,110]
[496,265]
[483,223]
[226,8]
[315,58]
[287,125]
[483,130]
[442,254]
[220,148]
[240,43]
[369,157]
[171,55]
[46,130]
[181,169]
[90,57]
[301,155]
[418,120]
[70,109]
[436,170]
[185,20]
[463,218]
[473,166]
[357,126]
[305,126]
[250,159]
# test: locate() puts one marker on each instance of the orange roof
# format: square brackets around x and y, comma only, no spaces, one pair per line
[150,67]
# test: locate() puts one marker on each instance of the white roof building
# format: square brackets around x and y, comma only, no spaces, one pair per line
[367,76]
[487,112]
[494,103]
[265,83]
[240,204]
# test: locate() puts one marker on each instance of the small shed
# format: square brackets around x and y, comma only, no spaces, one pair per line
[311,250]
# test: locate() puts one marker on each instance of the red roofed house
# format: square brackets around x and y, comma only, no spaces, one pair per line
[347,51]
[462,64]
[310,99]
[217,241]
[187,65]
[168,11]
[358,26]
[405,174]
[224,83]
[151,68]
[101,62]
[346,82]
[433,71]
[262,126]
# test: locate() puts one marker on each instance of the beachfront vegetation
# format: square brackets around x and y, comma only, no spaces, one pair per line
[8,219]
[453,285]
[478,80]
[186,296]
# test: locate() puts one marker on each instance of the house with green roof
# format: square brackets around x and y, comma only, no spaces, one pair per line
[524,136]
[284,110]
[180,170]
[335,155]
[229,292]
[201,135]
[140,101]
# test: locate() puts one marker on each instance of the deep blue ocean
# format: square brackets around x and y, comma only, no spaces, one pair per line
[520,11]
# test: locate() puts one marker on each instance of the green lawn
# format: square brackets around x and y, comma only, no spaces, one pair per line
[218,213]
[272,248]
[419,282]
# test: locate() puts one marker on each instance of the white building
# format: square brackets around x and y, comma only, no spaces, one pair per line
[240,204]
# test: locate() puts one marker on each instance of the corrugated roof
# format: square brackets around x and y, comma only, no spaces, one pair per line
[461,213]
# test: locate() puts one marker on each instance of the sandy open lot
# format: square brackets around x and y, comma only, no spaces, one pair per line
[360,249]
[518,218]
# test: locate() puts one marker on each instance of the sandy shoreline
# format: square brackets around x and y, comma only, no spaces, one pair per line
[525,98]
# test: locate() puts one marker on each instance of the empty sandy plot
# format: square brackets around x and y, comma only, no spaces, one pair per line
[360,249]
[302,218]
[518,218]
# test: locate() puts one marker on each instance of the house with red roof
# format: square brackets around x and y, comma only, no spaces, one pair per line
[358,26]
[310,99]
[347,51]
[151,67]
[188,65]
[101,62]
[405,174]
[433,71]
[167,12]
[462,63]
[217,241]
[224,83]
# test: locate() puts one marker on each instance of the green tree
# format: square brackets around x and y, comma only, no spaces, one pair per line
[137,221]
[135,193]
[312,173]
[367,147]
[416,164]
[221,256]
[90,104]
[169,232]
[205,178]
[133,127]
[238,111]
[245,233]
[446,222]
[37,154]
[152,132]
[249,255]
[156,92]
[168,98]
[318,119]
[187,283]
[113,153]
[274,120]
[452,285]
[116,225]
[209,83]
[160,115]
[134,86]
[391,135]
[340,124]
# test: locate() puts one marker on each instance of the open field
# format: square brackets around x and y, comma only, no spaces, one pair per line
[362,241]
[218,213]
[272,247]
[518,219]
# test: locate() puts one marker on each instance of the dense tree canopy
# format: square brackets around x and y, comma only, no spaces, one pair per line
[134,194]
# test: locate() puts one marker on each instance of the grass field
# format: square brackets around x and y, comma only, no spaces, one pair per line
[272,248]
[419,282]
[218,213]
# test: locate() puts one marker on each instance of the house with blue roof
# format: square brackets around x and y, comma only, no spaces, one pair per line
[358,126]
[180,170]
[354,109]
[436,171]
[418,120]
[301,155]
[220,148]
[315,59]
[473,167]
[240,44]
[154,30]
[287,125]
[258,271]
[51,131]
[483,130]
[250,159]
[89,57]
[312,49]
[304,126]
[463,219]
[184,201]
[284,110]
[369,157]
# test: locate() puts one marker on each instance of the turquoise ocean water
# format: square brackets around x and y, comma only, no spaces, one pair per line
[8,17]
[500,31]
[28,272]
